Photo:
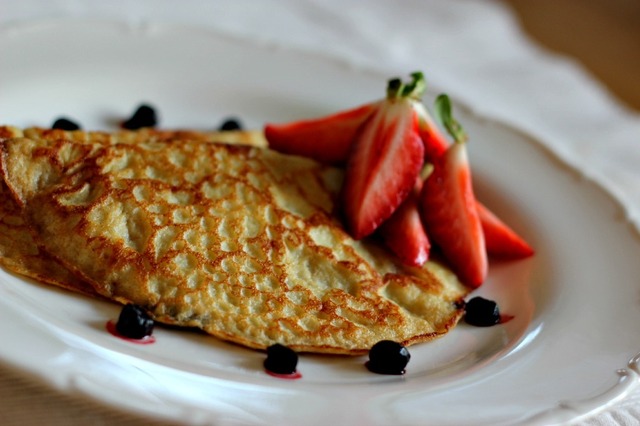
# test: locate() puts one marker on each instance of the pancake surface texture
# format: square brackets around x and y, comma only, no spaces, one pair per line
[239,241]
[20,252]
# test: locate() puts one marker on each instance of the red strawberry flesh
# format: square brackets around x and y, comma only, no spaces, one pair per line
[404,234]
[450,216]
[435,142]
[325,139]
[501,241]
[386,158]
[448,206]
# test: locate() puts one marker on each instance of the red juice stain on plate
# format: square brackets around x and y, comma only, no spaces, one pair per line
[146,340]
[291,376]
[505,318]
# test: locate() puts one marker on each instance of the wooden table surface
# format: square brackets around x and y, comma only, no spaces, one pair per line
[603,35]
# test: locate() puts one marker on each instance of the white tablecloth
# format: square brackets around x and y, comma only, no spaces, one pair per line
[472,49]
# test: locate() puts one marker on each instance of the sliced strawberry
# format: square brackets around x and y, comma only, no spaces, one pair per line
[448,207]
[385,160]
[329,139]
[404,233]
[326,139]
[435,142]
[501,241]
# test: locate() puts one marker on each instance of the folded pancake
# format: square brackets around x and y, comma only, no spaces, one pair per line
[240,241]
[19,251]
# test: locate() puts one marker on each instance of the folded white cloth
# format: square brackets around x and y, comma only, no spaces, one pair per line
[472,49]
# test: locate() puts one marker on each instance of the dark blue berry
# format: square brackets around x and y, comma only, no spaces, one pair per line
[482,312]
[230,124]
[144,116]
[388,357]
[134,322]
[281,359]
[65,124]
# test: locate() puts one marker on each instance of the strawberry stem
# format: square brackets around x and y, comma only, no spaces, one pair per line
[445,116]
[414,89]
[393,88]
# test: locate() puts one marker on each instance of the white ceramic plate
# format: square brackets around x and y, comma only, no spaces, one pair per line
[571,348]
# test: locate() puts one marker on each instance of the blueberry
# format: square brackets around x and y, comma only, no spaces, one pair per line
[230,124]
[482,312]
[134,322]
[388,357]
[281,359]
[64,124]
[144,116]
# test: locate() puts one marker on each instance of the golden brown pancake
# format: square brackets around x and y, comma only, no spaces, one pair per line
[239,241]
[19,251]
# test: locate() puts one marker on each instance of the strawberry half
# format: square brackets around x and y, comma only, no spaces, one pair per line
[329,139]
[403,232]
[326,139]
[435,142]
[448,206]
[385,159]
[501,241]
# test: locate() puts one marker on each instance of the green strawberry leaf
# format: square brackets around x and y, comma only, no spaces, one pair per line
[414,89]
[445,116]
